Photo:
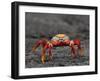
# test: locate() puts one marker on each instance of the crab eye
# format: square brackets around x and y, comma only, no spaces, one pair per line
[61,40]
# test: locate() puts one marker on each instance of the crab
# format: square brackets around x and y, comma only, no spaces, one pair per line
[58,40]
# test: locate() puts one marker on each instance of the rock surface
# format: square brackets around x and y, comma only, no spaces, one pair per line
[39,24]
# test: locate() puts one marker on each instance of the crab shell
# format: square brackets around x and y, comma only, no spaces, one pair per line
[60,40]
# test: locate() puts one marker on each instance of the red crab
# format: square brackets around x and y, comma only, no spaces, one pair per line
[56,41]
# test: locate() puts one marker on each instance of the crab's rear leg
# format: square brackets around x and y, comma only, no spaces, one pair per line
[37,44]
[80,49]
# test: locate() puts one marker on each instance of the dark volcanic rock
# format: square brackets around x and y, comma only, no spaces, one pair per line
[38,25]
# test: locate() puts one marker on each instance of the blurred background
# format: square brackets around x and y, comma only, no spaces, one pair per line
[39,25]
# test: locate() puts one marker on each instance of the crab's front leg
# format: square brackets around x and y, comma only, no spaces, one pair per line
[43,57]
[73,50]
[49,46]
[50,53]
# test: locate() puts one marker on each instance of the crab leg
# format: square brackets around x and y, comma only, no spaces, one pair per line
[50,53]
[73,51]
[36,45]
[43,55]
[80,50]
